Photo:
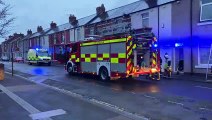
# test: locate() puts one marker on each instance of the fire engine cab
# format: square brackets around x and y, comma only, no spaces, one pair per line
[131,55]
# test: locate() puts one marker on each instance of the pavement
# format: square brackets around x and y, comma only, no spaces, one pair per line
[29,99]
[168,99]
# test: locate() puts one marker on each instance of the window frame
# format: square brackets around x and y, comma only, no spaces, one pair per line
[200,65]
[144,18]
[201,11]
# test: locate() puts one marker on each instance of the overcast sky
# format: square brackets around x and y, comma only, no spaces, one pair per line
[31,13]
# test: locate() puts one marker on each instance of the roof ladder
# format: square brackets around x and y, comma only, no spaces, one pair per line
[209,61]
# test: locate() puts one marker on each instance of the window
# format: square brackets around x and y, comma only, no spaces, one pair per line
[145,19]
[55,38]
[206,7]
[63,38]
[78,34]
[44,41]
[204,51]
[92,31]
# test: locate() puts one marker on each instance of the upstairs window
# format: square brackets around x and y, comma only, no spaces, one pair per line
[63,38]
[55,38]
[145,20]
[78,34]
[206,8]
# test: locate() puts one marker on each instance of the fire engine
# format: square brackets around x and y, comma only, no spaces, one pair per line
[131,55]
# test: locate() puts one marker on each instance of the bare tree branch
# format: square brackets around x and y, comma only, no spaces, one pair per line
[5,18]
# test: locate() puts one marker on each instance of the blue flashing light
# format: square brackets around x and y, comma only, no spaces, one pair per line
[155,45]
[37,49]
[178,44]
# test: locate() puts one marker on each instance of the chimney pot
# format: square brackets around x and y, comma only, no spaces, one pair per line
[39,29]
[53,25]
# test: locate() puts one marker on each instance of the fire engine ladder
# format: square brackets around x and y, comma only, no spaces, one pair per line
[209,61]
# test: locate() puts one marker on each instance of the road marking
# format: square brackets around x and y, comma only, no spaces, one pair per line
[204,87]
[101,104]
[47,114]
[177,103]
[28,107]
[19,100]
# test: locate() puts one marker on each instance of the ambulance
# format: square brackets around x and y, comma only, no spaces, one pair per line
[38,56]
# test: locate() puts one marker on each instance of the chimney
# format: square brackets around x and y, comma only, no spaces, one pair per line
[29,32]
[53,25]
[100,10]
[152,3]
[73,20]
[10,36]
[15,34]
[39,29]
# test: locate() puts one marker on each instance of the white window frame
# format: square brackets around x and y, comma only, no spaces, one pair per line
[55,38]
[78,34]
[201,5]
[199,64]
[144,18]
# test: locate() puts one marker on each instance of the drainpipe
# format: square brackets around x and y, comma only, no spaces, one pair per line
[23,52]
[191,34]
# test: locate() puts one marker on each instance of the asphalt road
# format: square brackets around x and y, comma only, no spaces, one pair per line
[162,100]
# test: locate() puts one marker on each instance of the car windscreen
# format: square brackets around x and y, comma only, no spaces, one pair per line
[42,54]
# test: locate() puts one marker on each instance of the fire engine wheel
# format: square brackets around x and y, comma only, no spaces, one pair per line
[103,73]
[70,69]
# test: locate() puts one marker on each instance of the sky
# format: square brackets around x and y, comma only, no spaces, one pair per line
[31,13]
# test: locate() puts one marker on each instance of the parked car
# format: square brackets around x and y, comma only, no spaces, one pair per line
[4,58]
[19,59]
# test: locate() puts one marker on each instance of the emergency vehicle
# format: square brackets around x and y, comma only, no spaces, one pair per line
[131,55]
[38,56]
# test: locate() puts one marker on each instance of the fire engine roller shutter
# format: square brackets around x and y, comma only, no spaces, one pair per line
[118,57]
[88,60]
[103,52]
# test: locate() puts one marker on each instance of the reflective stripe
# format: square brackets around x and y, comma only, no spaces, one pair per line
[154,55]
[104,42]
[73,56]
[114,60]
[122,55]
[134,46]
[93,55]
[106,55]
[129,54]
[87,59]
[82,55]
[77,60]
[129,37]
[128,63]
[100,58]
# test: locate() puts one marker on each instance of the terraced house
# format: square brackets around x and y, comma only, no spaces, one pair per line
[183,29]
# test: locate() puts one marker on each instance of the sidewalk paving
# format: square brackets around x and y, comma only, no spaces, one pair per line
[191,77]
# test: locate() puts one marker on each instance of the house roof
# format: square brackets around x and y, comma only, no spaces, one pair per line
[128,9]
[40,33]
[66,26]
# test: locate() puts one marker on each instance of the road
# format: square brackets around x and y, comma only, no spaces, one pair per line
[161,100]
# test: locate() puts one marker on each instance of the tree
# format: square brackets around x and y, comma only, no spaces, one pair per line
[5,18]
